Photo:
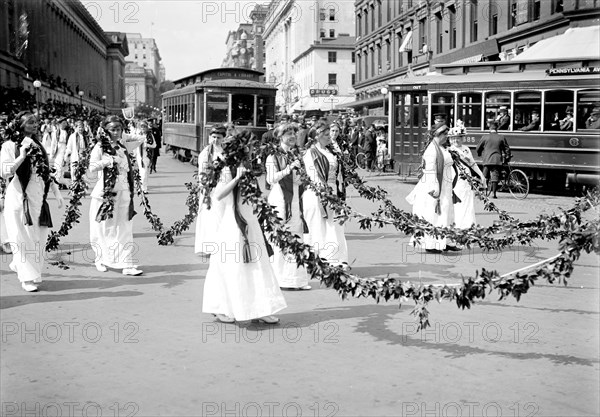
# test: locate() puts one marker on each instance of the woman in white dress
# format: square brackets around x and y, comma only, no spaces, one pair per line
[286,195]
[26,210]
[240,281]
[143,155]
[325,234]
[208,220]
[431,198]
[111,235]
[61,153]
[464,211]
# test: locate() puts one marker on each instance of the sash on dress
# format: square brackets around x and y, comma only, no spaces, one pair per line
[287,188]
[322,166]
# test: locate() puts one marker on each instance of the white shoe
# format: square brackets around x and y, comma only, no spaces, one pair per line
[100,267]
[29,286]
[132,271]
[306,287]
[224,318]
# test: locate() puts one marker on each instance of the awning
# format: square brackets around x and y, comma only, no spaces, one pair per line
[324,103]
[406,43]
[469,60]
[574,43]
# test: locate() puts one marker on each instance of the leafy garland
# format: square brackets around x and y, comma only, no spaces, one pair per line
[110,178]
[167,237]
[152,218]
[578,237]
[73,212]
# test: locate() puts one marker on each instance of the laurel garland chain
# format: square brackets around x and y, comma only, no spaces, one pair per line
[110,178]
[73,212]
[167,237]
[152,218]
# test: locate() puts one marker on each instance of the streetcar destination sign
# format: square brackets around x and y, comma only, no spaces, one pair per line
[573,71]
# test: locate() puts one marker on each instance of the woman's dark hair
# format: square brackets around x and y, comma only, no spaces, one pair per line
[23,117]
[284,128]
[321,126]
[112,119]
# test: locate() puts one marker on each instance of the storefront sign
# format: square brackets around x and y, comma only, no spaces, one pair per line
[322,92]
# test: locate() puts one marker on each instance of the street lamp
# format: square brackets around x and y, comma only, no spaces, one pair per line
[331,99]
[104,104]
[81,93]
[37,84]
[123,103]
[384,91]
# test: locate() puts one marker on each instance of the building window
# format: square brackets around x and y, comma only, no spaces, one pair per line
[353,56]
[322,33]
[372,62]
[332,33]
[144,46]
[322,14]
[353,79]
[557,6]
[438,31]
[513,14]
[332,15]
[388,55]
[399,39]
[422,34]
[452,11]
[372,17]
[494,24]
[331,56]
[474,24]
[389,10]
[379,13]
[359,25]
[359,67]
[332,79]
[366,21]
[536,10]
[378,59]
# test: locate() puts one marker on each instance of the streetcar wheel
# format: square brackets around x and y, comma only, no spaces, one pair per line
[361,160]
[518,184]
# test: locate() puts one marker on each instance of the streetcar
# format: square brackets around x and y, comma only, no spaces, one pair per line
[235,96]
[551,113]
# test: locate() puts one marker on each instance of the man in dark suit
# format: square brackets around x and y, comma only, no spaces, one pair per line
[535,122]
[354,135]
[503,119]
[269,135]
[157,133]
[302,133]
[494,152]
[369,146]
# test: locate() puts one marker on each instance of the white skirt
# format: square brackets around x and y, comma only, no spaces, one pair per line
[325,235]
[243,291]
[464,212]
[112,239]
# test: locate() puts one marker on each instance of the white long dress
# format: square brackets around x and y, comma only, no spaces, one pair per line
[464,212]
[424,204]
[207,219]
[287,271]
[325,235]
[61,152]
[143,162]
[112,239]
[27,242]
[243,291]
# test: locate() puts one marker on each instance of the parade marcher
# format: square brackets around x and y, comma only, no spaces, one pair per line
[432,198]
[143,155]
[208,220]
[26,167]
[325,234]
[4,243]
[76,144]
[61,152]
[286,196]
[494,150]
[464,211]
[111,235]
[240,282]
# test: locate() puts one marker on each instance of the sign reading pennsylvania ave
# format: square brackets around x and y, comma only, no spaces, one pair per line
[323,92]
[573,71]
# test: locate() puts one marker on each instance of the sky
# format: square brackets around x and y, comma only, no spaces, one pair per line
[190,34]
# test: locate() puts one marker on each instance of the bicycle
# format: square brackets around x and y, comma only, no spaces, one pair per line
[513,180]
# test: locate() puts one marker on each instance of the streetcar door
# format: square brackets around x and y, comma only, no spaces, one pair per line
[410,130]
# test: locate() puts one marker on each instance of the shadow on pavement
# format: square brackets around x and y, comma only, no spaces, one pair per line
[43,297]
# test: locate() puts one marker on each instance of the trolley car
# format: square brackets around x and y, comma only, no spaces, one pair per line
[217,96]
[553,151]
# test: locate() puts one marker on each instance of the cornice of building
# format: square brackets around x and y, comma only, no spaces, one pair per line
[279,12]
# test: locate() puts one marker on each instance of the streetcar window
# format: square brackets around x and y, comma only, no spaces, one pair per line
[443,103]
[217,106]
[265,110]
[469,109]
[242,109]
[558,110]
[527,111]
[588,109]
[497,107]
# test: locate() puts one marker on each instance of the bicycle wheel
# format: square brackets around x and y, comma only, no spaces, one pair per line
[361,160]
[518,184]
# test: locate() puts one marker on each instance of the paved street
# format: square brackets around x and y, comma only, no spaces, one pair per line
[104,344]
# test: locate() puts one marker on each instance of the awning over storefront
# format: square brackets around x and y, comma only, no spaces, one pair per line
[321,103]
[574,43]
[407,42]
